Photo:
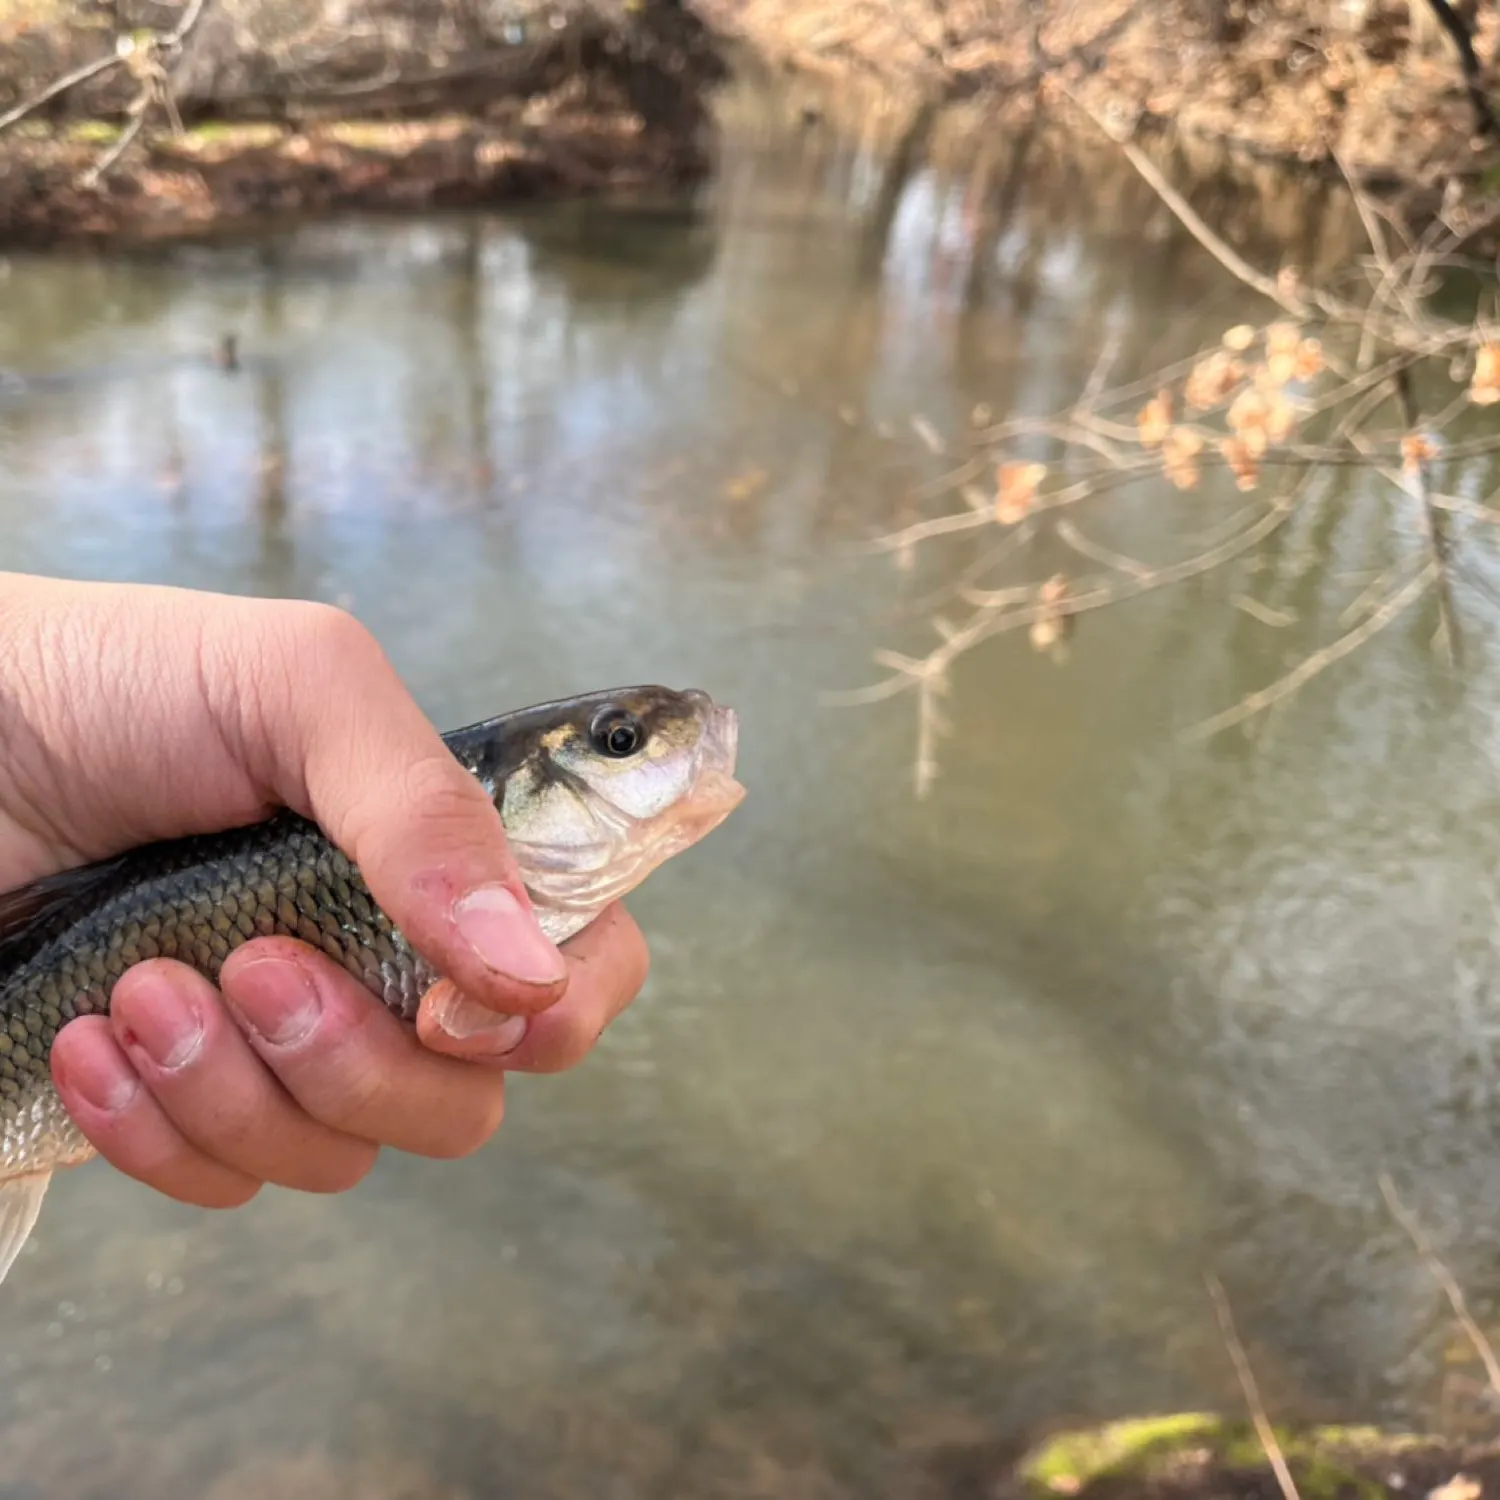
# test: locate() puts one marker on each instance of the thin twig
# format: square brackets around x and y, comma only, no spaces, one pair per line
[1444,1278]
[1367,597]
[1254,703]
[189,19]
[1108,353]
[1263,1429]
[1262,612]
[1226,255]
[1377,341]
[1434,522]
[1393,281]
[1018,538]
[61,86]
[116,151]
[154,84]
[990,620]
[929,434]
[1068,533]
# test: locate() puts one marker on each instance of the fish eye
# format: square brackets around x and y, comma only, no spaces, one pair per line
[616,733]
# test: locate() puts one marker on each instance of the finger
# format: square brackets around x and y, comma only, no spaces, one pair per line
[608,963]
[172,1025]
[128,1128]
[338,736]
[348,1061]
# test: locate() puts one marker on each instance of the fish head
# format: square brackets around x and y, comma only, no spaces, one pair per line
[596,792]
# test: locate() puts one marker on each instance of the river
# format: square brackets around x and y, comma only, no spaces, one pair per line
[934,1114]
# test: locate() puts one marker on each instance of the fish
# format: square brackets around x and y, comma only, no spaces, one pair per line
[595,792]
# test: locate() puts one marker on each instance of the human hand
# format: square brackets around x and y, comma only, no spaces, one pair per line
[129,714]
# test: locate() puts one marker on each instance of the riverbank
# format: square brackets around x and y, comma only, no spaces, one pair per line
[404,108]
[1291,87]
[215,129]
[218,175]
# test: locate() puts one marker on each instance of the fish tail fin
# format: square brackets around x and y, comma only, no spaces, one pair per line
[20,1203]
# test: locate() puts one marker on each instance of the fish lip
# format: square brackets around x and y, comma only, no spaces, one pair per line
[716,792]
[721,740]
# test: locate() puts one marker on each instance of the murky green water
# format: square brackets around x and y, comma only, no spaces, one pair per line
[934,1115]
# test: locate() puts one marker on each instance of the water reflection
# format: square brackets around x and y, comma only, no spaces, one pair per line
[933,1115]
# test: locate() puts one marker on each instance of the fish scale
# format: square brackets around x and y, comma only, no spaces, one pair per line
[196,901]
[589,816]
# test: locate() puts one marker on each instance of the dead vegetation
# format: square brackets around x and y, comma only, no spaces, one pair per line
[1191,1455]
[174,116]
[1370,375]
[1380,83]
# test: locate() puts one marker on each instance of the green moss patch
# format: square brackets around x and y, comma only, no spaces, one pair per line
[1198,1454]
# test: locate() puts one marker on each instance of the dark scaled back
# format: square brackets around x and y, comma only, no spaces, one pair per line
[194,900]
[65,940]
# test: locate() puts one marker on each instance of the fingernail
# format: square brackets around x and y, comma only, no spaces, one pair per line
[102,1075]
[465,1021]
[277,1000]
[165,1024]
[506,936]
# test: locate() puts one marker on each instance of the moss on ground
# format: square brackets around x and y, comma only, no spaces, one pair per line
[1199,1454]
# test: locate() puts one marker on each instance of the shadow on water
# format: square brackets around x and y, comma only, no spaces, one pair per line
[933,1116]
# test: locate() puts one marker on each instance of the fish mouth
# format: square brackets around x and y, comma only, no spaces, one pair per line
[716,793]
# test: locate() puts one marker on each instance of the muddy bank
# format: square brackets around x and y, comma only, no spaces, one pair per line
[1303,82]
[231,111]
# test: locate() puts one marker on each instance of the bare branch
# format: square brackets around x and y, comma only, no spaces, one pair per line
[61,86]
[1414,468]
[117,149]
[1319,661]
[1067,532]
[1108,353]
[1263,1429]
[1190,220]
[1444,1278]
[1367,597]
[1264,613]
[1294,397]
[189,19]
[147,59]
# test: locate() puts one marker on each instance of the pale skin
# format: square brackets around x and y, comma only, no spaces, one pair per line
[129,714]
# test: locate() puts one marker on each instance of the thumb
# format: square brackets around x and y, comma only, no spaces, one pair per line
[341,739]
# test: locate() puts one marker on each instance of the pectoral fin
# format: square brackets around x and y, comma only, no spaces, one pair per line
[26,913]
[20,1203]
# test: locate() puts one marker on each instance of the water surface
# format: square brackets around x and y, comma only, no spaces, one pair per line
[933,1115]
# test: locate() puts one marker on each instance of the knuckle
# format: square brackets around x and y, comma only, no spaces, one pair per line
[315,647]
[432,801]
[447,795]
[331,633]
